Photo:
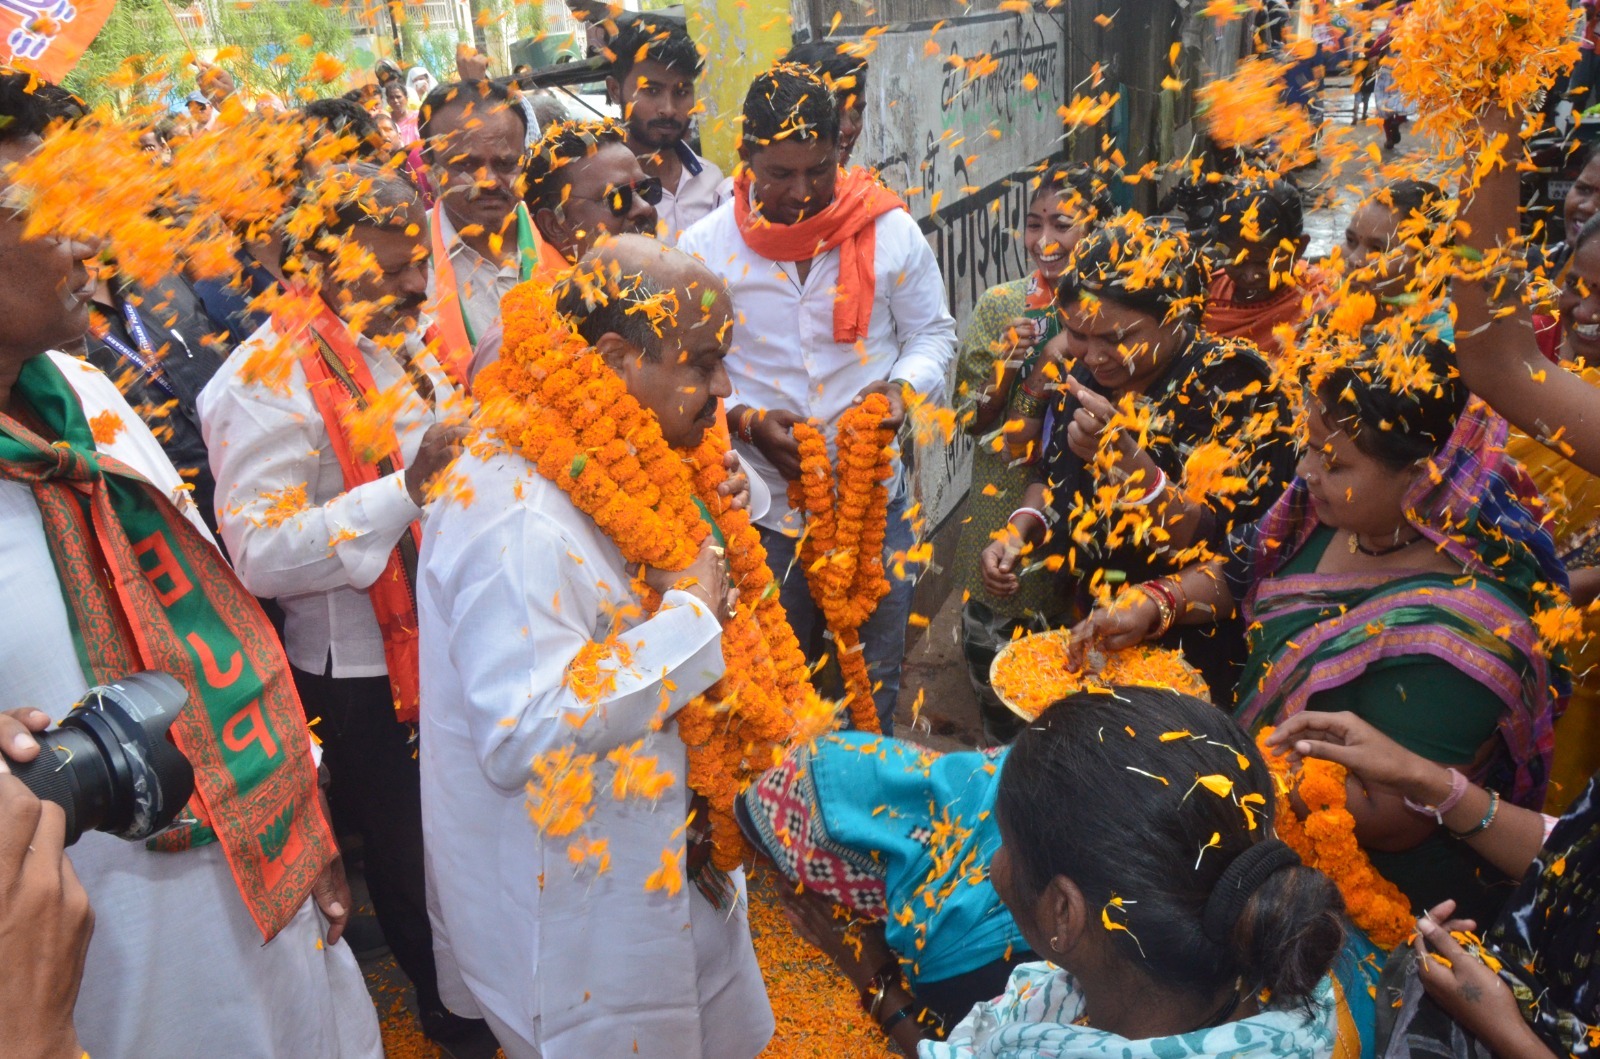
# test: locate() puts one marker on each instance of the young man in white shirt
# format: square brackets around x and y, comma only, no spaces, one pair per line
[578,960]
[838,296]
[654,65]
[323,439]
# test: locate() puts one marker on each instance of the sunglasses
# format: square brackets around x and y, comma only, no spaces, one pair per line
[620,197]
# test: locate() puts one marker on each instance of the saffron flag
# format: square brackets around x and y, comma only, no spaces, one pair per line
[48,36]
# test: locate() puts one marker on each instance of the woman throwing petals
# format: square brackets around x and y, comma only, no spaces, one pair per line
[1162,436]
[1395,579]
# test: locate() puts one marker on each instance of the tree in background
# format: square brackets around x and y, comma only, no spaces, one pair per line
[134,63]
[282,41]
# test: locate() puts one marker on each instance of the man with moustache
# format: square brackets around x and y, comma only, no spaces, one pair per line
[474,141]
[583,184]
[575,961]
[325,429]
[654,64]
[220,935]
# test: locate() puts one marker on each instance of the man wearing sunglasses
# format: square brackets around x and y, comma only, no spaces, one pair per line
[583,184]
[654,65]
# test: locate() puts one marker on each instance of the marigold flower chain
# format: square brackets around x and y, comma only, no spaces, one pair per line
[554,400]
[841,551]
[1326,840]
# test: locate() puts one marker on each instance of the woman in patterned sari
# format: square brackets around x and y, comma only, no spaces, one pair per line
[1009,359]
[1397,579]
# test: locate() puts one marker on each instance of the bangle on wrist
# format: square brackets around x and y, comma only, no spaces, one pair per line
[873,992]
[888,1024]
[741,425]
[1458,789]
[1150,497]
[1164,608]
[1488,818]
[1027,405]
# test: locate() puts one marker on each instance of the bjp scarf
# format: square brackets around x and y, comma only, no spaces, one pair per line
[456,336]
[847,223]
[341,384]
[145,590]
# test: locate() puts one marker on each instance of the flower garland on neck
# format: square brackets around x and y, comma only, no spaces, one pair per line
[847,517]
[552,399]
[1326,840]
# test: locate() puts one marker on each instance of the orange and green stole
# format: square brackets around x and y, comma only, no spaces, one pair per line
[145,590]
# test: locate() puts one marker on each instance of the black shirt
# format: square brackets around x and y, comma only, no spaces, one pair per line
[1215,389]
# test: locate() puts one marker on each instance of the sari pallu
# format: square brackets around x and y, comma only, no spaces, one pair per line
[1476,506]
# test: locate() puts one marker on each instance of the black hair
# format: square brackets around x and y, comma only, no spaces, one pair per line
[29,106]
[1416,199]
[600,299]
[452,94]
[559,147]
[1396,425]
[836,63]
[1079,797]
[345,197]
[339,116]
[1168,284]
[788,102]
[1091,194]
[1273,209]
[654,39]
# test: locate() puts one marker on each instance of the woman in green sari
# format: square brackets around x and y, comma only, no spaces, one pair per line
[1397,579]
[1009,360]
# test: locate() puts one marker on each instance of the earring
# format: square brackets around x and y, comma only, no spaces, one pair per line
[1055,943]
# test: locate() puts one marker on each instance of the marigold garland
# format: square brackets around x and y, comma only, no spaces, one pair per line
[1326,840]
[847,520]
[552,399]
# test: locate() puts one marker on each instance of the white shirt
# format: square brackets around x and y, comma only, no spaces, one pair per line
[176,964]
[574,963]
[483,283]
[699,191]
[784,356]
[317,562]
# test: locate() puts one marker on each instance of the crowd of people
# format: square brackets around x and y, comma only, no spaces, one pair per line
[470,502]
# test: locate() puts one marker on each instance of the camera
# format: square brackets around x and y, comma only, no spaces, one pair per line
[109,763]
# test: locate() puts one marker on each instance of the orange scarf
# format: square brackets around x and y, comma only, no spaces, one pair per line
[340,383]
[1256,321]
[847,223]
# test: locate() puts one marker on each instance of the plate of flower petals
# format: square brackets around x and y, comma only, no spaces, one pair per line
[1031,673]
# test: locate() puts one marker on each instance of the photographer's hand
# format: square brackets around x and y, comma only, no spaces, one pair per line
[45,924]
[16,739]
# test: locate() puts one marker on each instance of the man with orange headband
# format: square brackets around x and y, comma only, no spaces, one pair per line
[838,297]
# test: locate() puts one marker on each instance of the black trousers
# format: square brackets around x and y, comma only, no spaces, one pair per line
[375,790]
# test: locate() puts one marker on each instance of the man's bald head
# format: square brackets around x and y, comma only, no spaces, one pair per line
[663,322]
[644,291]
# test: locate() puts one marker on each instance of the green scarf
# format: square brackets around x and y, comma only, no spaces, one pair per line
[145,590]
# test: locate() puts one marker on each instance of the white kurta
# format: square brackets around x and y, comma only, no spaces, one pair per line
[564,961]
[265,441]
[176,968]
[783,355]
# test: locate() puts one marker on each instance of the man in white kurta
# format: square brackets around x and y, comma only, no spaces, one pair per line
[176,967]
[564,960]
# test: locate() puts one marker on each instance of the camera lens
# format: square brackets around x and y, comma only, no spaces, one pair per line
[110,765]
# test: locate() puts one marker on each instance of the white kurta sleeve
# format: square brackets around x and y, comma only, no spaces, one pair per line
[521,604]
[923,324]
[265,449]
